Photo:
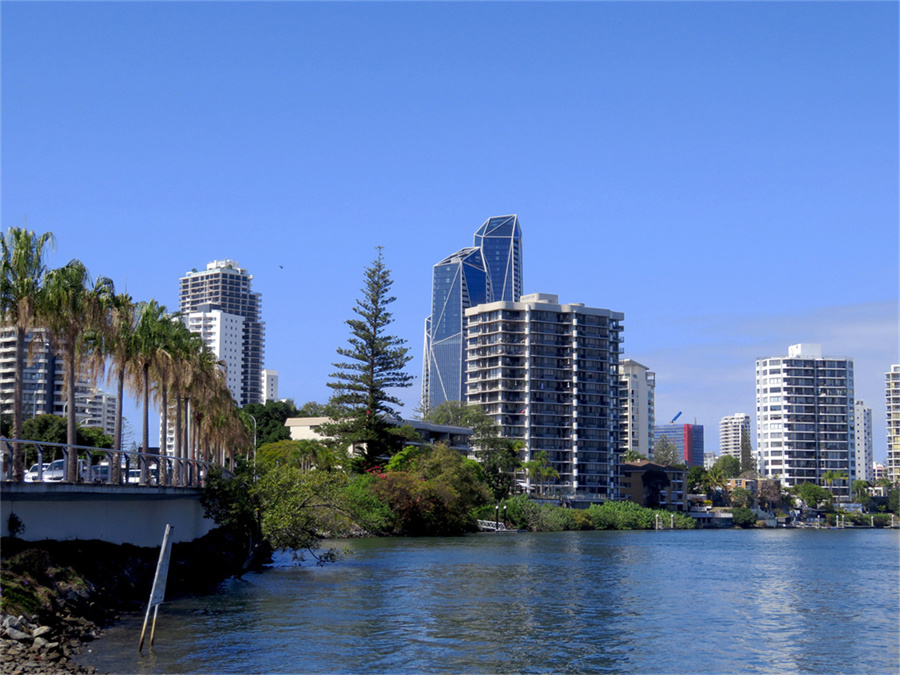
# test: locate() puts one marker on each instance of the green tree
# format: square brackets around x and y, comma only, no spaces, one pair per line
[305,455]
[72,307]
[665,452]
[148,336]
[695,478]
[375,365]
[52,429]
[730,466]
[813,495]
[540,469]
[499,456]
[715,483]
[747,461]
[270,419]
[742,497]
[632,456]
[893,503]
[437,493]
[743,517]
[22,272]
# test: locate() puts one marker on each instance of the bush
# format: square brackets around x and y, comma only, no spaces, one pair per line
[743,517]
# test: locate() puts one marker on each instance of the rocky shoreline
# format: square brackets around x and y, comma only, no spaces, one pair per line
[57,596]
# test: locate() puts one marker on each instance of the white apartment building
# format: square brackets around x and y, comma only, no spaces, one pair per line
[44,385]
[863,447]
[270,385]
[223,333]
[638,407]
[731,427]
[892,400]
[805,418]
[224,287]
[548,374]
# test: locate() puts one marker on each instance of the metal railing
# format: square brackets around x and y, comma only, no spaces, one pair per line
[101,466]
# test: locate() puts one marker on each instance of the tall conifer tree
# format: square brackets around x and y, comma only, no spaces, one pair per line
[747,463]
[375,361]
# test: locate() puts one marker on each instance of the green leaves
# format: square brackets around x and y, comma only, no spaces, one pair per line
[374,363]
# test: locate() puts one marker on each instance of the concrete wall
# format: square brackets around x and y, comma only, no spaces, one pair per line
[119,514]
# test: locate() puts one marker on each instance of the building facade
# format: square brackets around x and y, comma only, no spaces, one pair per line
[44,385]
[892,406]
[805,418]
[640,484]
[218,303]
[688,440]
[863,447]
[731,429]
[488,271]
[638,407]
[548,375]
[270,385]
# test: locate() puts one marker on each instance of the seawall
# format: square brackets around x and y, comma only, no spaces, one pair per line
[117,514]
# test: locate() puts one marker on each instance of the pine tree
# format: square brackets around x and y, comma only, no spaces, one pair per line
[361,404]
[747,463]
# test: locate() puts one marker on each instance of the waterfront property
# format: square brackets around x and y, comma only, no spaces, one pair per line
[547,374]
[805,419]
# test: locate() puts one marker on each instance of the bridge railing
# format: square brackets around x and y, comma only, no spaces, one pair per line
[102,466]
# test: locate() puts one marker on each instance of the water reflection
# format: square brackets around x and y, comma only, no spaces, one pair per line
[575,602]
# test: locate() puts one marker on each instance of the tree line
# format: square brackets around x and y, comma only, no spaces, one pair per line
[99,334]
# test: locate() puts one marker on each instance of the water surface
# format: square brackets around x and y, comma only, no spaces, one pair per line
[759,601]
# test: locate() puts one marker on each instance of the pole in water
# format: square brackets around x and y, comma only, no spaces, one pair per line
[159,586]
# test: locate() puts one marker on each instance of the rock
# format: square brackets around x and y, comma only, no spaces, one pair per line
[41,631]
[17,635]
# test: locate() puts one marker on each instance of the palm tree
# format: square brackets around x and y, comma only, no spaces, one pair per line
[22,272]
[71,307]
[147,337]
[715,479]
[120,350]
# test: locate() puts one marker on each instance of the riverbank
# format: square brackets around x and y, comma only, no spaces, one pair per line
[55,596]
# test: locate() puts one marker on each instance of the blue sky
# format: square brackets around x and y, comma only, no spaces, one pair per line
[725,174]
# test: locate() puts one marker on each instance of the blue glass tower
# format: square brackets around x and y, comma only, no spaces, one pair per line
[500,241]
[489,271]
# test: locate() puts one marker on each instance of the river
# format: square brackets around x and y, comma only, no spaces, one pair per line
[732,601]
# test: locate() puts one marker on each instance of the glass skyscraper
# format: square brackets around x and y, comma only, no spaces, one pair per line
[489,271]
[500,241]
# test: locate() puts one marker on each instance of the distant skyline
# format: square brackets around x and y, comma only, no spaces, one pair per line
[725,174]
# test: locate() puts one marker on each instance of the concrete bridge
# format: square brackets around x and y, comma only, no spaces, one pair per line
[126,506]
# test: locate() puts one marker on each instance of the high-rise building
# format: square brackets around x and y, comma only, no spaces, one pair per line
[218,304]
[500,241]
[687,438]
[863,447]
[731,430]
[44,385]
[638,407]
[892,401]
[804,418]
[459,281]
[270,385]
[547,374]
[489,271]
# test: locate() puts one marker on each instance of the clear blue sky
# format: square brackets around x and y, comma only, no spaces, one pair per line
[725,174]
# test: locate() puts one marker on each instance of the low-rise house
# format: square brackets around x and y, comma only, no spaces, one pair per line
[457,438]
[654,485]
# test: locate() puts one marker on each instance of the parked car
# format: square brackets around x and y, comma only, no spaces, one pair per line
[31,476]
[56,472]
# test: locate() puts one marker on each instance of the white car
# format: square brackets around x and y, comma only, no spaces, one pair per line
[56,472]
[31,475]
